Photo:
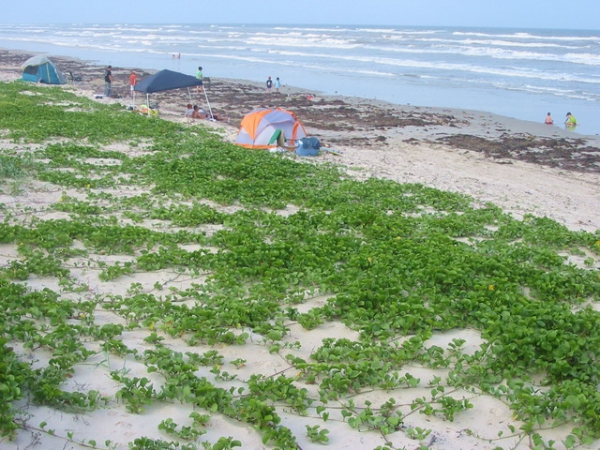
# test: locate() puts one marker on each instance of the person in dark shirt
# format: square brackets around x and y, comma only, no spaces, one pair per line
[108,78]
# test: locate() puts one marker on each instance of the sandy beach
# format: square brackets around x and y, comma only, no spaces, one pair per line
[522,167]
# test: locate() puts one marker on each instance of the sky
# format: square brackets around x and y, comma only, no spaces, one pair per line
[577,14]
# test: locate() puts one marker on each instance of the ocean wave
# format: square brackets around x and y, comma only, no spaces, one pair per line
[394,31]
[303,41]
[588,59]
[313,29]
[295,57]
[522,35]
[501,43]
[549,91]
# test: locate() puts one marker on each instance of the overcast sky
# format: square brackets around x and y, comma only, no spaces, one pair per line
[580,14]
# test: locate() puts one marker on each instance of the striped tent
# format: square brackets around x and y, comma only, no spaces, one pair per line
[259,128]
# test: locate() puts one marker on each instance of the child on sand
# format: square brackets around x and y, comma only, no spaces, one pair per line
[198,113]
[549,120]
[571,121]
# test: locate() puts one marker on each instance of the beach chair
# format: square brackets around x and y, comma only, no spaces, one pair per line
[74,78]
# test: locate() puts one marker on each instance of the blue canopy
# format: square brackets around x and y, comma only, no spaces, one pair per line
[165,80]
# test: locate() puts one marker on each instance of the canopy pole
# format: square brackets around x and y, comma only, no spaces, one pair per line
[189,95]
[208,104]
[148,104]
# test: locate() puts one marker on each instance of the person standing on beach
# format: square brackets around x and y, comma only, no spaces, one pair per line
[200,77]
[549,120]
[269,84]
[277,84]
[132,82]
[108,78]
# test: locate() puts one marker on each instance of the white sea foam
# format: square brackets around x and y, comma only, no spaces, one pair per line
[525,36]
[303,41]
[443,66]
[393,31]
[503,43]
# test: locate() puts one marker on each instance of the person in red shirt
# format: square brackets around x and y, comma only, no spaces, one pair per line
[132,82]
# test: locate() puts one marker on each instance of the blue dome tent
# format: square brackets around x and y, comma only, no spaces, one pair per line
[39,69]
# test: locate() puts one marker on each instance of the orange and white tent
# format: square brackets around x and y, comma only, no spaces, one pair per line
[260,128]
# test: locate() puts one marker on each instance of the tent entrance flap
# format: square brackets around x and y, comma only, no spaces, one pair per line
[276,137]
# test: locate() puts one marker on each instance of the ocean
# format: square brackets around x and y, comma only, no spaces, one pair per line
[520,73]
